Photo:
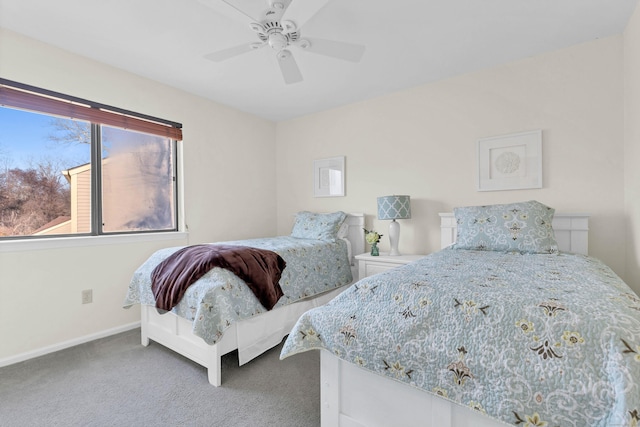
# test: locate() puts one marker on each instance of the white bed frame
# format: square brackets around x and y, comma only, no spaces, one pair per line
[354,397]
[251,337]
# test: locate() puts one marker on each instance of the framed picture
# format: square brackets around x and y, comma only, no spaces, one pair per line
[510,162]
[328,177]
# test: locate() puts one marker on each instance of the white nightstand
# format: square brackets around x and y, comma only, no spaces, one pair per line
[369,265]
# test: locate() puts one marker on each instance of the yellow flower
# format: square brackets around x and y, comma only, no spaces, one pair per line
[572,338]
[477,407]
[525,326]
[310,335]
[534,421]
[440,391]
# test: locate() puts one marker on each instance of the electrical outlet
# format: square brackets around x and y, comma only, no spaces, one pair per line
[87,296]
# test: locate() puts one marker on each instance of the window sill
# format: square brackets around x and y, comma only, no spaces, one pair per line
[84,241]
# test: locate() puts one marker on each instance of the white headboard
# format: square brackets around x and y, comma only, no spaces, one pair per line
[356,232]
[571,230]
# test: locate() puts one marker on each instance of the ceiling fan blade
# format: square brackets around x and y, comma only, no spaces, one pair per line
[290,71]
[252,9]
[300,11]
[228,53]
[341,50]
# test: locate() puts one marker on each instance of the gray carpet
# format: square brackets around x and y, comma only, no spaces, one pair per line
[115,381]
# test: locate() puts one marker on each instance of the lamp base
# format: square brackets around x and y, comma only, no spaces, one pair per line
[394,237]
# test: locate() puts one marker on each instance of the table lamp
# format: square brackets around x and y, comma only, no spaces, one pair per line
[394,207]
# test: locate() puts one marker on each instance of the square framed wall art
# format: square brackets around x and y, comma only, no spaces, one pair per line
[510,162]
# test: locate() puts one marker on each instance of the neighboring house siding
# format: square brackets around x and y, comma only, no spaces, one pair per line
[81,201]
[80,186]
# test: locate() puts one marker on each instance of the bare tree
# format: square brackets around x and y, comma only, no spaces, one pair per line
[70,132]
[31,198]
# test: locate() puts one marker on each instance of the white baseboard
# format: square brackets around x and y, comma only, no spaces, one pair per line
[66,344]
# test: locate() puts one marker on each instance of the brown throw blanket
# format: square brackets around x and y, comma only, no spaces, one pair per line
[259,268]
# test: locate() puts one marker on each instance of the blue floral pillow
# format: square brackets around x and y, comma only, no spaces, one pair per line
[310,225]
[523,227]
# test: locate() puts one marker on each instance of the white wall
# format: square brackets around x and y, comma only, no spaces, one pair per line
[632,147]
[229,160]
[422,142]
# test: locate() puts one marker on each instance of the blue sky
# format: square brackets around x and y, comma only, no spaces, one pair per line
[24,138]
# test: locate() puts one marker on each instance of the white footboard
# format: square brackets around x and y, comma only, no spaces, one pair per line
[175,333]
[250,337]
[354,397]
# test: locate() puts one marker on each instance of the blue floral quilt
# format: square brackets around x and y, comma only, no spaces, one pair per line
[528,339]
[220,298]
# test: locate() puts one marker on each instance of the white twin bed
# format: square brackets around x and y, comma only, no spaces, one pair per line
[354,397]
[251,336]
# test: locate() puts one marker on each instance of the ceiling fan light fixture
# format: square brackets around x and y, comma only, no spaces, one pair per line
[278,41]
[277,5]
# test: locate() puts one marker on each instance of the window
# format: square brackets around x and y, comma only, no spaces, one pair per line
[72,167]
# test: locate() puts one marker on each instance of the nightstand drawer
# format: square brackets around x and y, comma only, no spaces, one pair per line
[369,265]
[372,268]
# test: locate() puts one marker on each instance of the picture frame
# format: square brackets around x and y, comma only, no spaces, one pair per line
[510,162]
[329,177]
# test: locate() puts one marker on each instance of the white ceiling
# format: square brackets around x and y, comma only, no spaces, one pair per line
[408,43]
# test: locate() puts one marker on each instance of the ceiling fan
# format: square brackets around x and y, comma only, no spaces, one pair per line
[277,25]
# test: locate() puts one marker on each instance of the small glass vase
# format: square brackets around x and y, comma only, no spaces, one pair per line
[374,250]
